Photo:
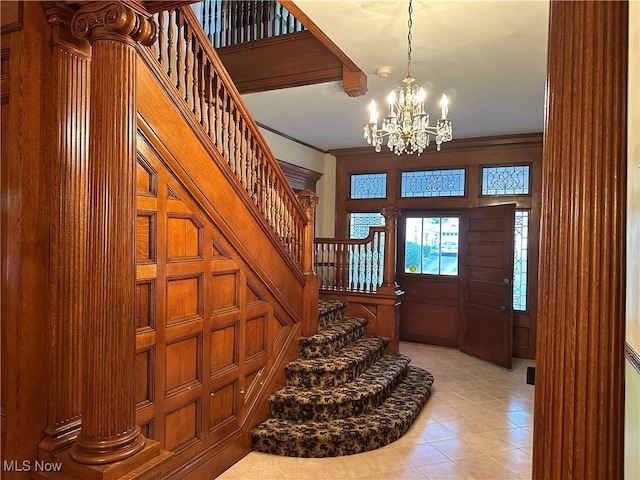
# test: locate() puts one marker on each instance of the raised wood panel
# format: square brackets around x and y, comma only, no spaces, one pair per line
[256,340]
[185,236]
[437,323]
[215,324]
[182,426]
[145,237]
[146,179]
[223,405]
[144,376]
[182,364]
[184,299]
[145,304]
[225,294]
[224,348]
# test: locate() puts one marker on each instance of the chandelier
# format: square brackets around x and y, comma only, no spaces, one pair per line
[407,125]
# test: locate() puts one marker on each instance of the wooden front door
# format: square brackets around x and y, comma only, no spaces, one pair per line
[486,267]
[428,272]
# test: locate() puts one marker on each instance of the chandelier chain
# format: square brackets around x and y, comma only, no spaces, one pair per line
[409,23]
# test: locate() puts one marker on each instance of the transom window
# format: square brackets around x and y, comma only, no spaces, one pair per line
[431,245]
[368,185]
[433,183]
[505,180]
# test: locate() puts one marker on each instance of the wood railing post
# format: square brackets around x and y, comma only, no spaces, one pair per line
[390,214]
[109,432]
[309,200]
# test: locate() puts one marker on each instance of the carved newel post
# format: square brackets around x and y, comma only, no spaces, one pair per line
[109,432]
[309,200]
[390,214]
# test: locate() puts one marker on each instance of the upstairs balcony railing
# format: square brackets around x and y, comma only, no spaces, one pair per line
[192,67]
[230,22]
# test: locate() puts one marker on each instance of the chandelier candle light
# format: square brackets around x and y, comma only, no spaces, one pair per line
[407,125]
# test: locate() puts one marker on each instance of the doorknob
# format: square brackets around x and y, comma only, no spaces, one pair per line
[503,308]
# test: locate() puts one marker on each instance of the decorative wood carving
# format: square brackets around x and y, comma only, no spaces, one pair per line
[109,432]
[390,214]
[579,404]
[68,220]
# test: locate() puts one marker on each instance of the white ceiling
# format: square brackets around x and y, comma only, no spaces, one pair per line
[489,57]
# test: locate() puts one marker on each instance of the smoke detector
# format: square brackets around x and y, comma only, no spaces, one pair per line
[384,72]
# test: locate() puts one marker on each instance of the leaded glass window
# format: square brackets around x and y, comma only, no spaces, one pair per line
[368,185]
[433,183]
[520,259]
[505,180]
[431,245]
[359,223]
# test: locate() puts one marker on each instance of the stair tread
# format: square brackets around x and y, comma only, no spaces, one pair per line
[341,359]
[356,434]
[370,382]
[332,330]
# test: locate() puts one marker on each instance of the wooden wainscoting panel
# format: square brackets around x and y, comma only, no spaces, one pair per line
[209,329]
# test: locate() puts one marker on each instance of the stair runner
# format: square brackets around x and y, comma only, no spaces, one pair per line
[343,394]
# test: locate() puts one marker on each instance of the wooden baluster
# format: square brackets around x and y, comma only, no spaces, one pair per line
[210,99]
[217,23]
[243,155]
[202,87]
[187,61]
[217,110]
[224,134]
[170,49]
[179,49]
[160,41]
[196,91]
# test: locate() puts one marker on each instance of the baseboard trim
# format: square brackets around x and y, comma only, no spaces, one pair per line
[633,356]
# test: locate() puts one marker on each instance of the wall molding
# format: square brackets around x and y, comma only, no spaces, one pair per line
[632,355]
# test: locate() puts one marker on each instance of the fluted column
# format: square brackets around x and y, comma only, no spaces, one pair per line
[109,432]
[70,66]
[578,425]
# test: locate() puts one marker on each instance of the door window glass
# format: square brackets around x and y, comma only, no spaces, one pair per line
[431,245]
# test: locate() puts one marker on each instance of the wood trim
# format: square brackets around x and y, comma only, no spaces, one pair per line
[300,178]
[455,145]
[12,11]
[282,61]
[632,355]
[319,34]
[579,401]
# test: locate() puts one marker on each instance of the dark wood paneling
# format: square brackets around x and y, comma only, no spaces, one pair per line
[471,154]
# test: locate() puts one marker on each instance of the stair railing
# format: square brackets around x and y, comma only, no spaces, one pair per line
[192,66]
[230,22]
[365,265]
[355,265]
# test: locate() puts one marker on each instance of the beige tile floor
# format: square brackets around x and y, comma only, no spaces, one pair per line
[477,424]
